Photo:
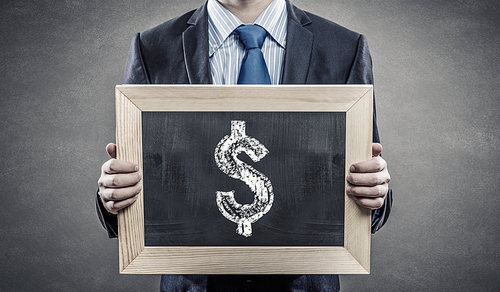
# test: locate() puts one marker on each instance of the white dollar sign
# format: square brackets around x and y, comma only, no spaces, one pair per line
[226,154]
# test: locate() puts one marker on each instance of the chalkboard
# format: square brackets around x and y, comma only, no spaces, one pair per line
[244,179]
[304,164]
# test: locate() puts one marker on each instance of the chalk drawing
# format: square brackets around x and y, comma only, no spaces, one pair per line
[226,158]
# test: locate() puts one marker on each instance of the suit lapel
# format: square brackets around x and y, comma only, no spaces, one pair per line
[298,47]
[195,48]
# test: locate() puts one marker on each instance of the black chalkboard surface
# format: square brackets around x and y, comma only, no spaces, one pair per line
[305,164]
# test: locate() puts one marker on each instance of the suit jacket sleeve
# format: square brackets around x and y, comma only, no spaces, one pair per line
[108,221]
[361,73]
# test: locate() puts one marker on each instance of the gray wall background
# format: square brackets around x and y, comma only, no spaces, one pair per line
[436,71]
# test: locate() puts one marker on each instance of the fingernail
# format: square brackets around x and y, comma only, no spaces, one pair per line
[136,168]
[352,168]
[348,188]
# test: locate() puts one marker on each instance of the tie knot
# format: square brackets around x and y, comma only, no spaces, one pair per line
[252,36]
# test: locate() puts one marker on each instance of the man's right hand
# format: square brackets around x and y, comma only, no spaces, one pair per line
[119,182]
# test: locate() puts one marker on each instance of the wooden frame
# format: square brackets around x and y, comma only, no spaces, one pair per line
[352,258]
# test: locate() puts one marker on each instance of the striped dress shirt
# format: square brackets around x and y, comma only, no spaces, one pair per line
[226,51]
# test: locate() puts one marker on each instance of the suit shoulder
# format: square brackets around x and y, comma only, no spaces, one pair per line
[335,51]
[331,30]
[168,29]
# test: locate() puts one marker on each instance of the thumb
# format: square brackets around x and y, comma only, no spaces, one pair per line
[376,149]
[111,149]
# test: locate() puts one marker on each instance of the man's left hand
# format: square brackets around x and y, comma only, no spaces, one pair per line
[368,181]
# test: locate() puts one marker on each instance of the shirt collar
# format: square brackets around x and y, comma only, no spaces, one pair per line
[274,20]
[221,23]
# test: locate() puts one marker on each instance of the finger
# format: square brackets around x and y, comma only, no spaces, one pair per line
[115,206]
[111,149]
[369,203]
[368,179]
[113,166]
[376,164]
[119,180]
[119,194]
[376,149]
[378,191]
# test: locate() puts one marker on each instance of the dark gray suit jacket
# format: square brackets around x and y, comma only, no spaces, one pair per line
[318,51]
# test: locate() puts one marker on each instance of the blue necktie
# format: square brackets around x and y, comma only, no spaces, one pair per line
[253,69]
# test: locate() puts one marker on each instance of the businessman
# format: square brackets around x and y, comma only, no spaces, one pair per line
[227,42]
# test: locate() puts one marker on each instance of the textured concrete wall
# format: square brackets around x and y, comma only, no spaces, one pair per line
[436,71]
